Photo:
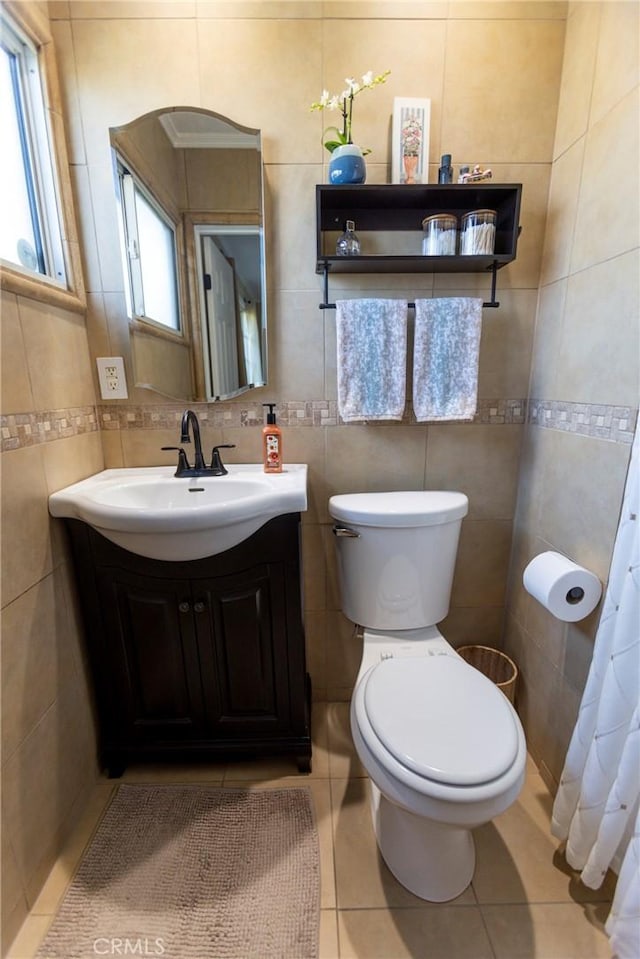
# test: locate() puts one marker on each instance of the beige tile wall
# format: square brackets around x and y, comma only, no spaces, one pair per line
[48,739]
[50,438]
[585,362]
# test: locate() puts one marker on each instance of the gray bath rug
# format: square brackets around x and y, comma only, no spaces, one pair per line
[193,872]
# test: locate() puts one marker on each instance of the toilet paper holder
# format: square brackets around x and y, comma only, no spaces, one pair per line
[575,594]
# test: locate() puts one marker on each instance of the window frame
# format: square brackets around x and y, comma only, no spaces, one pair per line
[128,184]
[31,26]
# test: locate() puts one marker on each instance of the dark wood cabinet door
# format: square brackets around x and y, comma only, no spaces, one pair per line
[242,638]
[201,659]
[152,657]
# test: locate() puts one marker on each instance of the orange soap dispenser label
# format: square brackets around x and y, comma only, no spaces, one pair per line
[272,462]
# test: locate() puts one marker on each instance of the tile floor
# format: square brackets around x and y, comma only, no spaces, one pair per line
[524,902]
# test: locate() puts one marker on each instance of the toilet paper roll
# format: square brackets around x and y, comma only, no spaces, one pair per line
[567,590]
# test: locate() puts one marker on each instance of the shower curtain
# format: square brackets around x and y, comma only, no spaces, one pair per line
[597,806]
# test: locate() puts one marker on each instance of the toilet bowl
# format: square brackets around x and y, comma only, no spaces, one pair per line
[443,747]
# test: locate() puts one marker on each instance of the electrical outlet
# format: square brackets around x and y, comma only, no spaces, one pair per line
[113,383]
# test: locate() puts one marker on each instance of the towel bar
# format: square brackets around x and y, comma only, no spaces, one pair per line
[491,304]
[332,306]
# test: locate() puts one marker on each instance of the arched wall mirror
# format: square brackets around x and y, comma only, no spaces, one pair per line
[191,217]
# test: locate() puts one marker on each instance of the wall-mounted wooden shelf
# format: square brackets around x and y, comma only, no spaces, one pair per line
[399,208]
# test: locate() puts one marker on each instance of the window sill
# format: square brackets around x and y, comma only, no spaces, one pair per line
[41,288]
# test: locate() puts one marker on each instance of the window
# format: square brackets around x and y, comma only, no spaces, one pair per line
[149,245]
[30,230]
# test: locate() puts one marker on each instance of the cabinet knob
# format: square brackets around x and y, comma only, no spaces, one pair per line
[199,607]
[184,607]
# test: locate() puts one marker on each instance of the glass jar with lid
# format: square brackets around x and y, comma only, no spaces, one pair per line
[478,233]
[439,235]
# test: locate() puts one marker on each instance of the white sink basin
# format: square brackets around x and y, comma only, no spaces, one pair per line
[151,512]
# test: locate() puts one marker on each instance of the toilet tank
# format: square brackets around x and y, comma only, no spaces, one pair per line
[396,555]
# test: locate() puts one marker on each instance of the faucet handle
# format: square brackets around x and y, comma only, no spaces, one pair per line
[183,462]
[216,461]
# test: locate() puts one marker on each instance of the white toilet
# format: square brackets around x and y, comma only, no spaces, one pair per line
[443,746]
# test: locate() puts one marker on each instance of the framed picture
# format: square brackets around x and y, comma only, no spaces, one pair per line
[410,140]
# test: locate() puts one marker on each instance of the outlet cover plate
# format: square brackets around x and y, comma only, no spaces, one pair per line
[113,382]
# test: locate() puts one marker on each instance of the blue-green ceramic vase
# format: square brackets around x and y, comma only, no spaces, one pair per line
[347,165]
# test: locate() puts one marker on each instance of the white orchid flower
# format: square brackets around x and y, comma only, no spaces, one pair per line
[343,102]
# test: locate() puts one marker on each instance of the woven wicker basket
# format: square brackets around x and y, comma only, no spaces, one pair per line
[497,666]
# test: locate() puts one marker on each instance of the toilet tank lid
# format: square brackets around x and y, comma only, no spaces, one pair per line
[399,508]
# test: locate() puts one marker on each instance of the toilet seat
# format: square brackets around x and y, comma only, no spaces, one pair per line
[440,719]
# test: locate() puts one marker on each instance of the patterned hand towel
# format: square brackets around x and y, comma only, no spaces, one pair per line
[445,358]
[372,359]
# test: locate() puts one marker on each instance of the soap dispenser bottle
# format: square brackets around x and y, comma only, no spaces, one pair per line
[272,443]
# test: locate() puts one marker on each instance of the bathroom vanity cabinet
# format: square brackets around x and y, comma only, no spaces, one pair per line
[197,660]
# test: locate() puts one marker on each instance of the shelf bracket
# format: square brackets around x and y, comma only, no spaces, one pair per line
[491,304]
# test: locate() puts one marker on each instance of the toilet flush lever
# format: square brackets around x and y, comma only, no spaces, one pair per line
[345,531]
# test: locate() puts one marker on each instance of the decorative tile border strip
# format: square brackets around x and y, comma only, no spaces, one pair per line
[614,423]
[18,430]
[29,429]
[217,415]
[291,414]
[501,411]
